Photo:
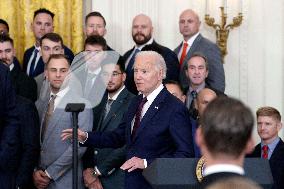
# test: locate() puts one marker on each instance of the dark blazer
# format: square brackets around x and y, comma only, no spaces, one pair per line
[40,65]
[276,162]
[107,160]
[170,59]
[29,137]
[216,76]
[164,132]
[24,85]
[9,131]
[212,178]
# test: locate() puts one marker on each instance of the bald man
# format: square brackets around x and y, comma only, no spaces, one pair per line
[142,34]
[203,98]
[193,41]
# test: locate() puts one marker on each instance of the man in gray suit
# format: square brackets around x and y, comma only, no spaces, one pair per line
[193,41]
[102,166]
[55,164]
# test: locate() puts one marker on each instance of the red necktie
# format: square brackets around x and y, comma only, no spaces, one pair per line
[265,152]
[138,117]
[183,54]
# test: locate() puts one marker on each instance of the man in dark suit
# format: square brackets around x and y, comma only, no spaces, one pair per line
[9,129]
[156,124]
[225,137]
[42,24]
[193,41]
[24,85]
[29,137]
[271,146]
[107,117]
[142,31]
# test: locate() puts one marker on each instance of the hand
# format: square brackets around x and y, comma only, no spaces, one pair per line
[132,164]
[67,133]
[96,184]
[88,176]
[41,180]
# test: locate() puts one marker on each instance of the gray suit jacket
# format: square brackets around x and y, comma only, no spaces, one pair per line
[216,76]
[56,155]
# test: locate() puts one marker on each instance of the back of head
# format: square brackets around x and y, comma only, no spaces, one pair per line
[227,126]
[234,183]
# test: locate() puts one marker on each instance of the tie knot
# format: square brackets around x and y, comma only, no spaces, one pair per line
[144,100]
[52,97]
[194,94]
[109,101]
[185,44]
[265,148]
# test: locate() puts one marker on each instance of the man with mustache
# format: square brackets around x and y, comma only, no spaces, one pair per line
[142,31]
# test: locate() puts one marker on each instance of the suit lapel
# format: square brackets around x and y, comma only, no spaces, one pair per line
[277,150]
[152,111]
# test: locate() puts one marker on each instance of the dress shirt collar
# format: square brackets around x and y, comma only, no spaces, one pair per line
[59,96]
[37,48]
[116,94]
[199,88]
[191,40]
[11,66]
[140,47]
[223,168]
[151,97]
[271,146]
[96,72]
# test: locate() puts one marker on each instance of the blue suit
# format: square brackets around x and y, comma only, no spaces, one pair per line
[164,132]
[9,131]
[40,65]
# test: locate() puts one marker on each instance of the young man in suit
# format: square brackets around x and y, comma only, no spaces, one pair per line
[271,146]
[193,41]
[24,85]
[42,24]
[154,118]
[108,114]
[142,31]
[224,137]
[55,163]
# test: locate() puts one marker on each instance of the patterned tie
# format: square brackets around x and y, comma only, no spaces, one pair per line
[89,84]
[138,117]
[107,107]
[183,54]
[33,62]
[131,61]
[192,110]
[47,116]
[265,152]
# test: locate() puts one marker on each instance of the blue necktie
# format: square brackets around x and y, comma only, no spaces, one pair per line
[131,61]
[32,66]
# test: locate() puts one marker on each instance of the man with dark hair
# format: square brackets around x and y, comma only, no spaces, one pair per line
[24,85]
[224,137]
[95,24]
[156,124]
[271,146]
[106,162]
[42,24]
[95,41]
[193,41]
[142,34]
[4,27]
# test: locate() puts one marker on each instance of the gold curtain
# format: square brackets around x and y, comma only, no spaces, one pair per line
[68,21]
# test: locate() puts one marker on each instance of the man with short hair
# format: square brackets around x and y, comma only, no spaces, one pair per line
[193,41]
[95,24]
[271,146]
[55,164]
[175,89]
[24,85]
[42,24]
[156,124]
[4,27]
[107,117]
[142,34]
[224,137]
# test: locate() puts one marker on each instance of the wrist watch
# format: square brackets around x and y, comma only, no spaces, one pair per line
[95,174]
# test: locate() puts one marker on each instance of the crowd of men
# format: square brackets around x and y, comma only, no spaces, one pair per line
[150,103]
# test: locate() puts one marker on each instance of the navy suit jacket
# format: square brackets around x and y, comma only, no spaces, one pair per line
[9,131]
[40,65]
[276,162]
[164,132]
[170,59]
[216,76]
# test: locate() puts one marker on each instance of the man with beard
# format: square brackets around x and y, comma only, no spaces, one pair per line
[102,165]
[142,31]
[24,85]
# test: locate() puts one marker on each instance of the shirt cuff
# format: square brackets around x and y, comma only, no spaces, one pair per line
[47,174]
[97,170]
[145,163]
[87,135]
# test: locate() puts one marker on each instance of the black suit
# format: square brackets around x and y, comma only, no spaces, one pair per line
[107,160]
[29,136]
[276,162]
[24,85]
[9,129]
[40,65]
[170,59]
